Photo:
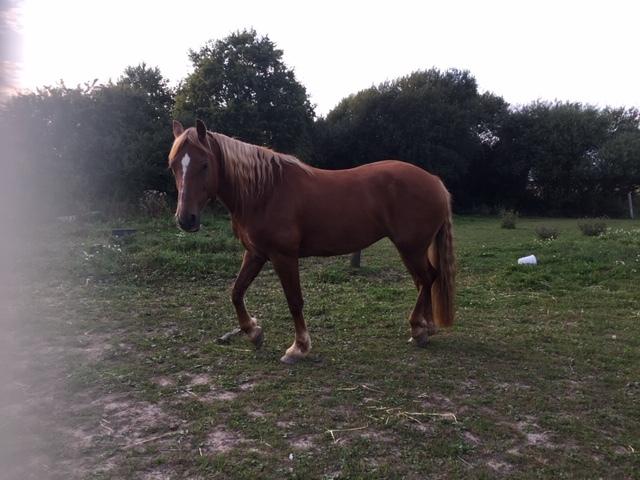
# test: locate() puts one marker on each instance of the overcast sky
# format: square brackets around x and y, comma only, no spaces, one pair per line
[523,50]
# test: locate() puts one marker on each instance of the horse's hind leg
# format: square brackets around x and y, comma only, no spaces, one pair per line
[251,266]
[421,319]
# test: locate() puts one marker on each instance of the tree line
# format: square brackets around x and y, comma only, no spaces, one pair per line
[99,146]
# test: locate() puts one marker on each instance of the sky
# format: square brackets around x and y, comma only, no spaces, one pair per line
[583,51]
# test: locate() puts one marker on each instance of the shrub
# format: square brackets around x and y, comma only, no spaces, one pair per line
[509,218]
[546,233]
[154,203]
[592,228]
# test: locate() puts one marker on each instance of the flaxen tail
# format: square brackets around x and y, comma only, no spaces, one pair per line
[441,256]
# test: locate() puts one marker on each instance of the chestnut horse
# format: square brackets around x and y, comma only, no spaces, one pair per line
[282,209]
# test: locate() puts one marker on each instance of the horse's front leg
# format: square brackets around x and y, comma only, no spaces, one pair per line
[287,270]
[251,266]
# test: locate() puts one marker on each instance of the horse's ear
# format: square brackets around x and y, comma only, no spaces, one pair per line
[178,129]
[201,128]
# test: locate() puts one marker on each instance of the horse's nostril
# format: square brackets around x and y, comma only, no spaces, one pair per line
[192,219]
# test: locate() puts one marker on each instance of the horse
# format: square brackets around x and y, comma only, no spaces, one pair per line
[283,209]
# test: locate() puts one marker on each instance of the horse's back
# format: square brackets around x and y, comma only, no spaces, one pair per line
[388,185]
[384,172]
[339,211]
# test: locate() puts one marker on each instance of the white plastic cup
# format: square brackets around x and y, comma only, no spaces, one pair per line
[528,260]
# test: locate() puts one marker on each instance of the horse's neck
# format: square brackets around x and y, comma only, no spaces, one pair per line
[243,208]
[227,193]
[229,196]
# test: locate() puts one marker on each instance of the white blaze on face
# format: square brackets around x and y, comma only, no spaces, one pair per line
[185,164]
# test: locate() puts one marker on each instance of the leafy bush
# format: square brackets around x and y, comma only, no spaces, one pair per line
[592,228]
[547,233]
[154,203]
[509,218]
[96,145]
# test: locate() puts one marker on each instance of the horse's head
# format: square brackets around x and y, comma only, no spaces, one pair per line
[195,169]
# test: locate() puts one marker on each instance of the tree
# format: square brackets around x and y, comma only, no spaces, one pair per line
[137,110]
[576,155]
[43,132]
[149,81]
[241,87]
[92,146]
[493,178]
[618,163]
[433,119]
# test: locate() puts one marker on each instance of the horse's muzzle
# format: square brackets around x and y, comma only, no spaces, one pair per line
[189,223]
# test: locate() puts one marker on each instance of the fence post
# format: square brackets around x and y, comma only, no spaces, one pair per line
[630,198]
[355,259]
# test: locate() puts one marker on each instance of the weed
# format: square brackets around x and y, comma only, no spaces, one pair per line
[592,228]
[509,218]
[154,203]
[546,233]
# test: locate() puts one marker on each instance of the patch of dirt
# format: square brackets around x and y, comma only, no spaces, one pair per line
[111,402]
[304,442]
[381,437]
[200,379]
[157,475]
[134,423]
[539,439]
[95,346]
[512,386]
[221,440]
[533,435]
[91,347]
[284,424]
[214,394]
[425,428]
[499,465]
[163,381]
[333,475]
[217,396]
[471,438]
[79,437]
[437,403]
[435,400]
[246,386]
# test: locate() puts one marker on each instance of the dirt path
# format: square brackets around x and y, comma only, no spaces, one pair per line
[37,409]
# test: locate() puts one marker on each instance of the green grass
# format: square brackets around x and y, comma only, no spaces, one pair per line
[539,378]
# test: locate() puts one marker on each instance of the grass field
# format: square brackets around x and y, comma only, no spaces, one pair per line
[539,377]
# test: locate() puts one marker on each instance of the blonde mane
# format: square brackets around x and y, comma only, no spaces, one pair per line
[251,170]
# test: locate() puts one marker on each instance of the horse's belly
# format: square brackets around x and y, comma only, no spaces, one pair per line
[340,237]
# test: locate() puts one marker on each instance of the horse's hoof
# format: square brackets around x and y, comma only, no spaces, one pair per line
[290,359]
[421,340]
[258,338]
